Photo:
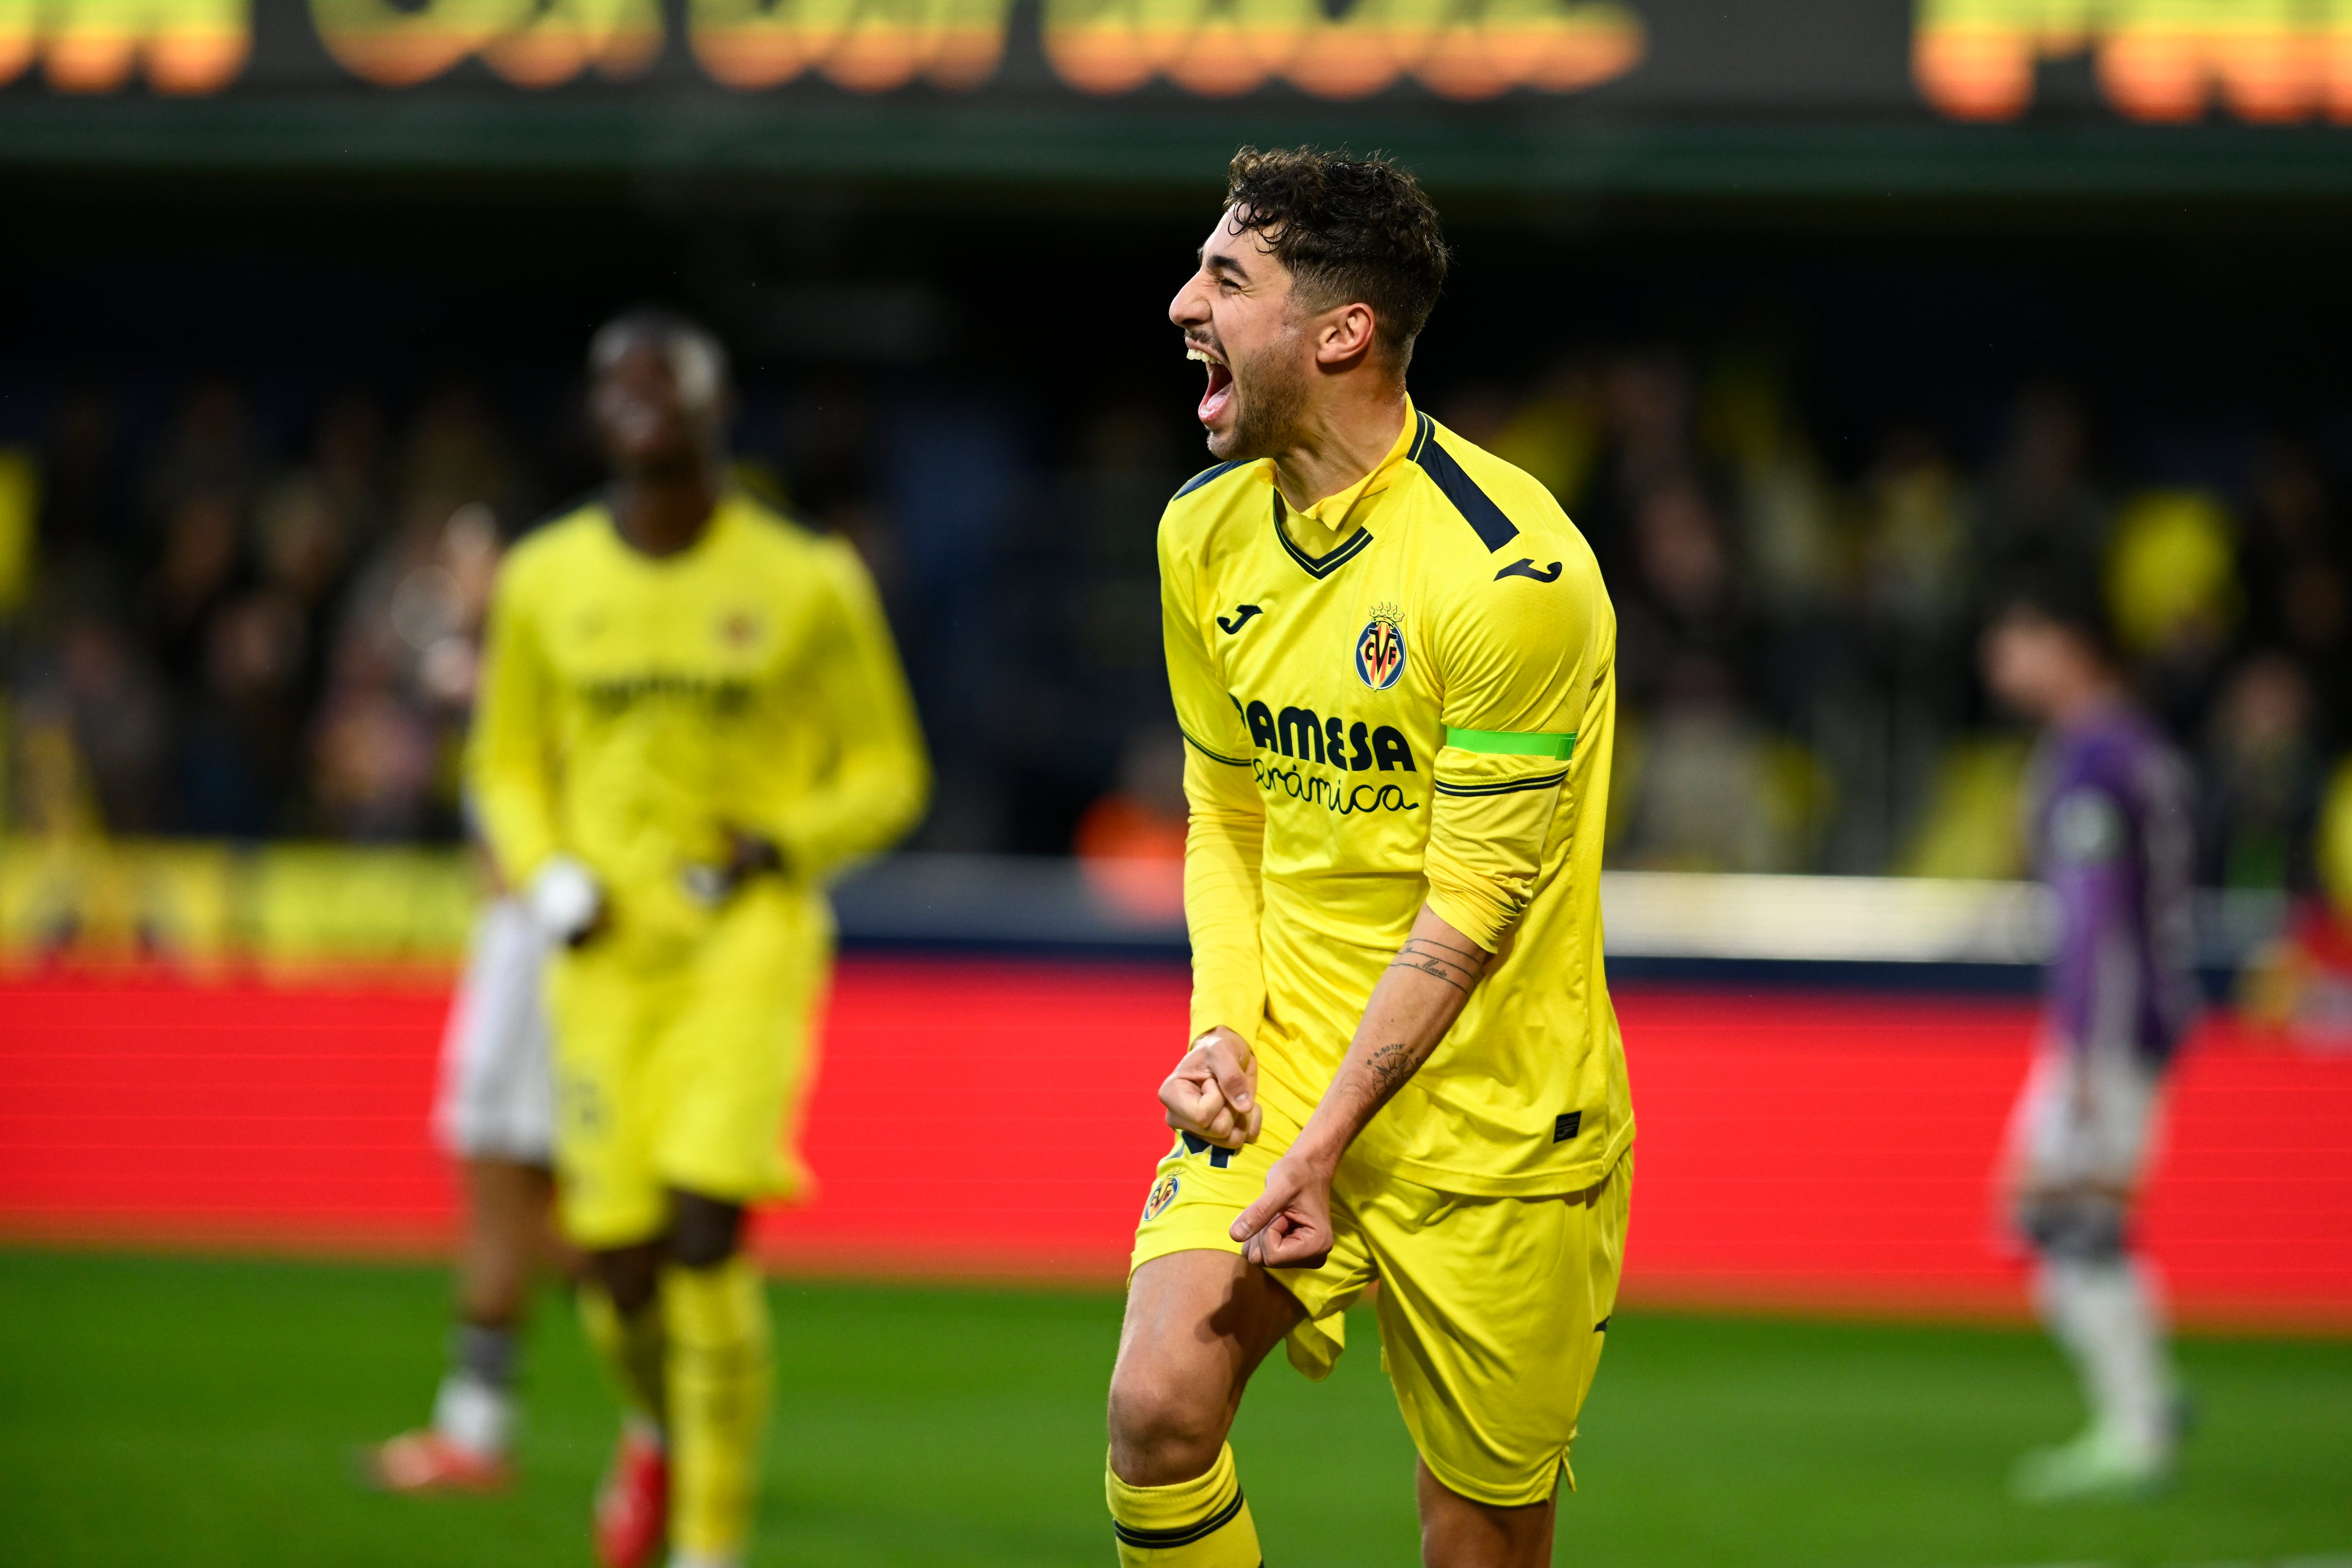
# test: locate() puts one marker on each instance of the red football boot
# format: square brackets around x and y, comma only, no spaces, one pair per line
[632,1505]
[425,1461]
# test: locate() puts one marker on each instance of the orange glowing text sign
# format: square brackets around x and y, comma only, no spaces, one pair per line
[1461,48]
[96,46]
[2266,60]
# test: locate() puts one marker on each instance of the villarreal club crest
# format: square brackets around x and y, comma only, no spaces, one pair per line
[1380,649]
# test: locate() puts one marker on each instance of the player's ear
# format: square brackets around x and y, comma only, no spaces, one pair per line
[1347,335]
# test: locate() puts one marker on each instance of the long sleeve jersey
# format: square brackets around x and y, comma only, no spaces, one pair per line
[635,707]
[1404,694]
[2110,817]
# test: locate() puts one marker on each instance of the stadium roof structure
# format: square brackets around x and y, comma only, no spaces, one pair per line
[1669,97]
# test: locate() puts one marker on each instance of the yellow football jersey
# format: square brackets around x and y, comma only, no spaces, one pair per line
[1405,693]
[636,707]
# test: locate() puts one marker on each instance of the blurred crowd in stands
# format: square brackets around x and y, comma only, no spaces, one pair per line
[232,614]
[219,637]
[1797,654]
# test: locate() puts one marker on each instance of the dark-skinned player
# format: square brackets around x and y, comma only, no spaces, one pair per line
[692,714]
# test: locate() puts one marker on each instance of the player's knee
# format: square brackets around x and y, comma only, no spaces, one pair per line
[630,1276]
[704,1231]
[1161,1431]
[2073,1226]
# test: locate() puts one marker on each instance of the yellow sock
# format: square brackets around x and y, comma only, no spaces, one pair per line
[634,1350]
[718,1322]
[1200,1524]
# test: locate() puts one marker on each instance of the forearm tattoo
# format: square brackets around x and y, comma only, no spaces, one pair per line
[1391,1064]
[1457,967]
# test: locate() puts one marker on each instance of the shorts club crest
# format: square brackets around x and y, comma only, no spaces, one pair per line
[1163,1193]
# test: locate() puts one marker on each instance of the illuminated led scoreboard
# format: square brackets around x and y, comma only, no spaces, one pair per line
[1548,83]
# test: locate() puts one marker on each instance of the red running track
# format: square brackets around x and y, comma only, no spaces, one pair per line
[1802,1150]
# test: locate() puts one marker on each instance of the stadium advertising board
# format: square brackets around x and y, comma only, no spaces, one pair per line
[1861,97]
[2153,60]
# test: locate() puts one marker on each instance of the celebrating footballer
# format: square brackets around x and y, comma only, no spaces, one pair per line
[1393,658]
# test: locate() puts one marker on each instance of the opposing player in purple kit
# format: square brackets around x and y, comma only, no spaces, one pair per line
[2109,821]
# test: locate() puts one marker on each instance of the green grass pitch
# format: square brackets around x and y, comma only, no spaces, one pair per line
[199,1412]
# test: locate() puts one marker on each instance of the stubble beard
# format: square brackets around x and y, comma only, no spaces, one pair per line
[1270,404]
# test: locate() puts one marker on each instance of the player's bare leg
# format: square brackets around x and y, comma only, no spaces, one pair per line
[1198,1323]
[507,1239]
[1458,1532]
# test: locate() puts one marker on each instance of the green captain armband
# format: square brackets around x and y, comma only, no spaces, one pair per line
[1505,743]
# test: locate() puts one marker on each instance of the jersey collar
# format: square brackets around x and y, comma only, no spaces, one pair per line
[1327,535]
[733,501]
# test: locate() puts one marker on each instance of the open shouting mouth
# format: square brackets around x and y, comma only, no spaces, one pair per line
[1219,394]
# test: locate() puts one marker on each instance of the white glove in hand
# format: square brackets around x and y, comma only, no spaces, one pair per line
[563,899]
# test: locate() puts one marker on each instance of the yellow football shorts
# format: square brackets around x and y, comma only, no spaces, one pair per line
[680,1066]
[1493,1310]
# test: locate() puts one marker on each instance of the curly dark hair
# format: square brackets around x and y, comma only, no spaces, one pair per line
[1349,229]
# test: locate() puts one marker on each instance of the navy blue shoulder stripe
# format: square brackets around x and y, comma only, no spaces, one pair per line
[1204,475]
[1211,756]
[1487,519]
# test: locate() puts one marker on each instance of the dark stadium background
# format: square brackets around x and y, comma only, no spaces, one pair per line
[888,334]
[1762,264]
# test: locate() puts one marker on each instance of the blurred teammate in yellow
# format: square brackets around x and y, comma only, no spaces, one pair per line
[1394,662]
[692,713]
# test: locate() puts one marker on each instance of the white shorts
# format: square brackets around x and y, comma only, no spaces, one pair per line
[2085,1119]
[498,1097]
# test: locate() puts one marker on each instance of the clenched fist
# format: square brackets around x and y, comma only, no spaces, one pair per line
[1212,1093]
